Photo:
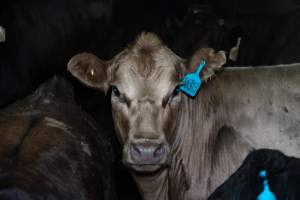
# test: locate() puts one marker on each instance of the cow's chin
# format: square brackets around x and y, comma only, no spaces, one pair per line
[145,169]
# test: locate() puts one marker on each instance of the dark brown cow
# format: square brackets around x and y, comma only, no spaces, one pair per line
[182,148]
[51,149]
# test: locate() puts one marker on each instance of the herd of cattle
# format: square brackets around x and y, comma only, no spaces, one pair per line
[141,138]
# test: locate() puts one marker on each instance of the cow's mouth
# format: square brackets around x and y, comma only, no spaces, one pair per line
[139,168]
[146,167]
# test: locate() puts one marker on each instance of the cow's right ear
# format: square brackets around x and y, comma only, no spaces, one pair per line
[90,70]
[214,62]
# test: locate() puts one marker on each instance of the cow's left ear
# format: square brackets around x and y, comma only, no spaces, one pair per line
[214,62]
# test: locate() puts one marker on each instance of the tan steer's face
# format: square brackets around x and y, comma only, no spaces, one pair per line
[145,101]
[144,80]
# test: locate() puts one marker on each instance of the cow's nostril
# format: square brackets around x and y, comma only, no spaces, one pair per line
[135,151]
[160,150]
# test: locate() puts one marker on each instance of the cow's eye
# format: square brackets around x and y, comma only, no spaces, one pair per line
[115,91]
[176,91]
[172,96]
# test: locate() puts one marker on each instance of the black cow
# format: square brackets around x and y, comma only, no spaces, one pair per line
[283,176]
[51,149]
[41,36]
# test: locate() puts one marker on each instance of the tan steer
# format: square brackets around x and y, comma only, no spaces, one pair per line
[179,147]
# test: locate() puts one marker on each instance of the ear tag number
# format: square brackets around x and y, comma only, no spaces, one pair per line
[266,194]
[192,81]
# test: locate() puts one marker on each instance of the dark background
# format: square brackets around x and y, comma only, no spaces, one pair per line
[42,35]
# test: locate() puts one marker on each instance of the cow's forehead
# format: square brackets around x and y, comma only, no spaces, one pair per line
[156,83]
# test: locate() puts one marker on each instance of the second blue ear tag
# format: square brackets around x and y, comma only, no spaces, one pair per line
[266,194]
[192,81]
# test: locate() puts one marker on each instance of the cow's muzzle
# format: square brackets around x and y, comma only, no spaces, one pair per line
[147,155]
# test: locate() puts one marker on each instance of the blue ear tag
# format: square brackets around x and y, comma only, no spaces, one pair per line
[266,194]
[192,81]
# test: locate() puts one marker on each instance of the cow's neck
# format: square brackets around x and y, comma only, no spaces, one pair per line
[154,186]
[194,169]
[205,146]
[174,182]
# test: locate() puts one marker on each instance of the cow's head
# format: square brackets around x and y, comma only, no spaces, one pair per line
[144,80]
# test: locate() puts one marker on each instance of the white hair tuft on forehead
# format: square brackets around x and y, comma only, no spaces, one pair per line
[147,41]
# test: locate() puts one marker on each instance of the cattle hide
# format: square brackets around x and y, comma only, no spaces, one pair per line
[51,149]
[283,176]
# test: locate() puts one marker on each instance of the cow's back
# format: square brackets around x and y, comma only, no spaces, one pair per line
[262,105]
[52,149]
